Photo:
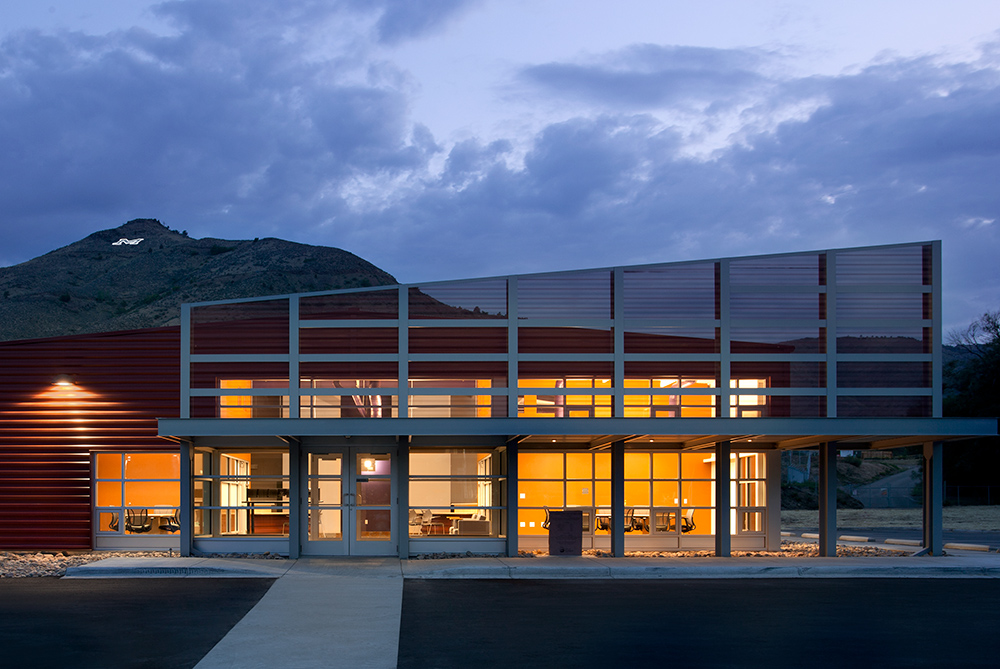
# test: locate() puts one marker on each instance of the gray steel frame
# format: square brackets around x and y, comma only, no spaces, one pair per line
[722,433]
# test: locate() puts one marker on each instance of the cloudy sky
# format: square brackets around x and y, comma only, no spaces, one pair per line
[446,139]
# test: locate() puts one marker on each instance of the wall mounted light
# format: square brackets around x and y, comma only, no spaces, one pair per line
[63,380]
[368,465]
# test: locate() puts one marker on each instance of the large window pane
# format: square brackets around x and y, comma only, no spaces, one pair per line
[363,305]
[460,299]
[457,340]
[242,493]
[456,493]
[244,327]
[682,291]
[805,269]
[903,265]
[570,295]
[355,341]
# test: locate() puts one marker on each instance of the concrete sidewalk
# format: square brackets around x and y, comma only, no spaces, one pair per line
[324,612]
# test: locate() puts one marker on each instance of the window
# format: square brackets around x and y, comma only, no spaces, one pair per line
[137,493]
[456,493]
[240,493]
[557,481]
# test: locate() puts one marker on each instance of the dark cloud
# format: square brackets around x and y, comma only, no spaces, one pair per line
[238,126]
[904,151]
[650,75]
[213,125]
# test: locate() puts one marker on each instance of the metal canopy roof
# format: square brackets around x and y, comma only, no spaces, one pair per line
[680,433]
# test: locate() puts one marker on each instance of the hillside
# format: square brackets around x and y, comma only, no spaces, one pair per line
[96,285]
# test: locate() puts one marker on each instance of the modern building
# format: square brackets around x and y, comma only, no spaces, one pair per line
[456,416]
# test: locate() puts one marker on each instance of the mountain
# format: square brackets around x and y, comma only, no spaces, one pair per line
[109,281]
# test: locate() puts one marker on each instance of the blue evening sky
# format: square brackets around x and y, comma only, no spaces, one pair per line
[444,139]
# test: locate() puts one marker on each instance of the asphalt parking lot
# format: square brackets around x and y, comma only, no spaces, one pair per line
[738,622]
[162,623]
[701,623]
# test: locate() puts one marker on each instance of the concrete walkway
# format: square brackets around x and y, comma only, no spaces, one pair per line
[324,612]
[320,613]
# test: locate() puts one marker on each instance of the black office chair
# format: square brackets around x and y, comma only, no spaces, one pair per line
[171,523]
[113,525]
[629,519]
[138,522]
[545,523]
[687,521]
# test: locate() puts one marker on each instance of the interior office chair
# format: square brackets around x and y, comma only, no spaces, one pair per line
[172,523]
[138,522]
[629,519]
[545,523]
[687,522]
[113,525]
[427,523]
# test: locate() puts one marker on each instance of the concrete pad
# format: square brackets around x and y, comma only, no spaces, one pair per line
[160,567]
[321,613]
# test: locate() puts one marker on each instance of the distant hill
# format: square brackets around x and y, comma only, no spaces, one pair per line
[102,284]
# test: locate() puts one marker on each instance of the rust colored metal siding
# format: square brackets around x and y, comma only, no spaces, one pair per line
[122,382]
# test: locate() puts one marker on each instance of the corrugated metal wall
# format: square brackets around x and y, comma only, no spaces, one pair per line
[123,382]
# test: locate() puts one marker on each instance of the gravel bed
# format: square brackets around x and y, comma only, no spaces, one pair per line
[33,564]
[54,563]
[789,549]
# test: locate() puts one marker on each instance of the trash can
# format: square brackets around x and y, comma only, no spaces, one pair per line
[566,532]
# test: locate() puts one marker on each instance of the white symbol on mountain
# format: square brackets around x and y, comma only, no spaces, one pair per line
[130,242]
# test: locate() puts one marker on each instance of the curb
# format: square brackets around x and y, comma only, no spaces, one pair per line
[968,547]
[155,572]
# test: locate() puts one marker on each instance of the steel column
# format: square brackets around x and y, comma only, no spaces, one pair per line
[512,500]
[618,499]
[403,496]
[723,531]
[933,498]
[294,497]
[772,492]
[187,503]
[828,499]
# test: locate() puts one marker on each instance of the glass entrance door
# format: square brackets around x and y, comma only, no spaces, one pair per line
[349,503]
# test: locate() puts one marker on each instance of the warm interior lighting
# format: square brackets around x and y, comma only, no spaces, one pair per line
[368,465]
[63,380]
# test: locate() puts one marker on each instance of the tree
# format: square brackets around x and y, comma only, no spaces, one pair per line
[972,380]
[972,388]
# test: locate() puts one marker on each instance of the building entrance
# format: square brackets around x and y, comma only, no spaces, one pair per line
[349,502]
